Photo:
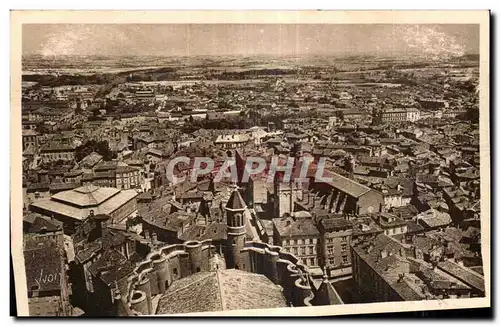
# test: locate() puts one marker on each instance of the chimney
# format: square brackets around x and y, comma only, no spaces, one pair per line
[383,253]
[35,291]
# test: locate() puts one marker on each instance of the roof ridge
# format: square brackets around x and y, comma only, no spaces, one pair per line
[221,295]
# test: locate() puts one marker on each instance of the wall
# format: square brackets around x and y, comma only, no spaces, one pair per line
[169,263]
[305,248]
[119,214]
[334,247]
[372,200]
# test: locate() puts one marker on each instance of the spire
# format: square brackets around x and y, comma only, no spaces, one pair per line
[236,202]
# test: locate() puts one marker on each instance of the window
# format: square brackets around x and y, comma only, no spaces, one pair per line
[311,262]
[311,250]
[344,246]
[344,239]
[299,241]
[344,259]
[331,261]
[285,242]
[330,250]
[295,251]
[302,250]
[291,242]
[307,241]
[175,271]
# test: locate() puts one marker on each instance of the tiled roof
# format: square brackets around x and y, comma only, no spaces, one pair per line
[433,218]
[221,290]
[91,159]
[45,306]
[289,227]
[105,207]
[464,274]
[346,185]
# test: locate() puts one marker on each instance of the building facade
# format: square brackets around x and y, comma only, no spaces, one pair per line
[298,236]
[334,245]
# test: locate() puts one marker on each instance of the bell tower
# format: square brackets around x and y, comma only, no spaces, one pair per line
[236,231]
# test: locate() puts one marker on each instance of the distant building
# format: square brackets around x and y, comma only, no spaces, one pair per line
[73,206]
[285,196]
[298,236]
[432,104]
[114,174]
[385,269]
[30,139]
[194,277]
[90,161]
[103,259]
[391,224]
[55,152]
[344,195]
[400,115]
[232,141]
[46,278]
[145,95]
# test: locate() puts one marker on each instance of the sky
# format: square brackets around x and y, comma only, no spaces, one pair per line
[246,39]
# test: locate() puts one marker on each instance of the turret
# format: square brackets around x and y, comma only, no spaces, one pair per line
[236,230]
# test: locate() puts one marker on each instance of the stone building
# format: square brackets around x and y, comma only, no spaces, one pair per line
[195,277]
[298,236]
[335,256]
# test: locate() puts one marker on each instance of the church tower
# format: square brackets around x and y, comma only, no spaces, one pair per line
[236,231]
[285,196]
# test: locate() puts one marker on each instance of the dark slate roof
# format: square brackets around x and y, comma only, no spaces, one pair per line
[235,202]
[43,265]
[464,274]
[40,224]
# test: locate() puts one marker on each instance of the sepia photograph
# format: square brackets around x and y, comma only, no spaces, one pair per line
[249,163]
